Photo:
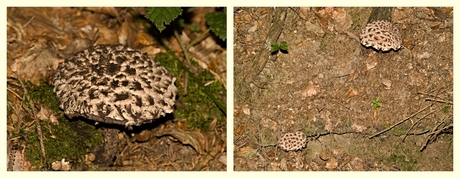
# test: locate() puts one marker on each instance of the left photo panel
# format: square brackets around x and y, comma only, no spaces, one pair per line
[116,89]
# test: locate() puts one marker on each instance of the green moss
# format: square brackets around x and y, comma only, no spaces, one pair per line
[201,108]
[69,139]
[405,158]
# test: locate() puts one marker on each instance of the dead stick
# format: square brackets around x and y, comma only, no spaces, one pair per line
[37,124]
[434,135]
[415,123]
[404,120]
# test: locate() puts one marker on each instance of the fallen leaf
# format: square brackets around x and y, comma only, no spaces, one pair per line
[246,110]
[325,154]
[386,83]
[46,114]
[358,164]
[239,130]
[351,93]
[371,61]
[223,159]
[196,139]
[332,164]
[310,90]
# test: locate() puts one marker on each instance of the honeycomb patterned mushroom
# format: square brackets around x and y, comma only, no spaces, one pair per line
[381,35]
[114,84]
[292,141]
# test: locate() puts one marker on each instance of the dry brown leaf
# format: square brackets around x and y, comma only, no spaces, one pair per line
[371,61]
[104,10]
[351,93]
[386,83]
[332,164]
[196,139]
[37,63]
[323,16]
[341,21]
[152,50]
[239,130]
[246,152]
[212,125]
[358,164]
[46,114]
[310,90]
[246,110]
[223,159]
[304,11]
[283,165]
[143,39]
[325,154]
[127,33]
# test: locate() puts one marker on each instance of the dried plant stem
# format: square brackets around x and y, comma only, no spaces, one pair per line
[400,122]
[37,124]
[416,122]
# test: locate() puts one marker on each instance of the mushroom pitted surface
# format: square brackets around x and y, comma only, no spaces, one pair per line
[114,84]
[381,35]
[292,141]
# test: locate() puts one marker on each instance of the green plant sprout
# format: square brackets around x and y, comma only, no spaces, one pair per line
[283,47]
[375,103]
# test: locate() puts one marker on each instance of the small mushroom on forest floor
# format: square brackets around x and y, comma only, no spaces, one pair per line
[381,35]
[116,85]
[292,141]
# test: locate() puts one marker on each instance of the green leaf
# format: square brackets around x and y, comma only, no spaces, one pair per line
[161,16]
[217,22]
[194,27]
[274,48]
[284,46]
[375,103]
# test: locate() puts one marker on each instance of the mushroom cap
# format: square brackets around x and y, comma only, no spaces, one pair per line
[114,84]
[292,141]
[381,35]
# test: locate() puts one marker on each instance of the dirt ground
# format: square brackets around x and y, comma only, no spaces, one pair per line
[361,109]
[40,137]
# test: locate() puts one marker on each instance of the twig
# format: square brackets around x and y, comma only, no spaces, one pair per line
[404,120]
[221,107]
[434,134]
[415,123]
[28,22]
[37,124]
[438,100]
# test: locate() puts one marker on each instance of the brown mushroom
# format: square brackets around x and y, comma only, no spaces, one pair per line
[381,35]
[292,141]
[117,85]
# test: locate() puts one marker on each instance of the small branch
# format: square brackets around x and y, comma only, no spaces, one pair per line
[37,124]
[438,100]
[415,123]
[198,39]
[434,134]
[221,107]
[400,122]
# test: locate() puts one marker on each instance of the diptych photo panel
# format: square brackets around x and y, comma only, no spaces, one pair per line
[116,88]
[343,89]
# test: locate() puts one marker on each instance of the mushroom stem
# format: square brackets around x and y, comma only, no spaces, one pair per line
[108,152]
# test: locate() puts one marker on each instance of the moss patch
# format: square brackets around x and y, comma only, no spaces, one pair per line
[69,139]
[201,102]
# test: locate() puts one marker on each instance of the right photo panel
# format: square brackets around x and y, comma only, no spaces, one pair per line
[343,88]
